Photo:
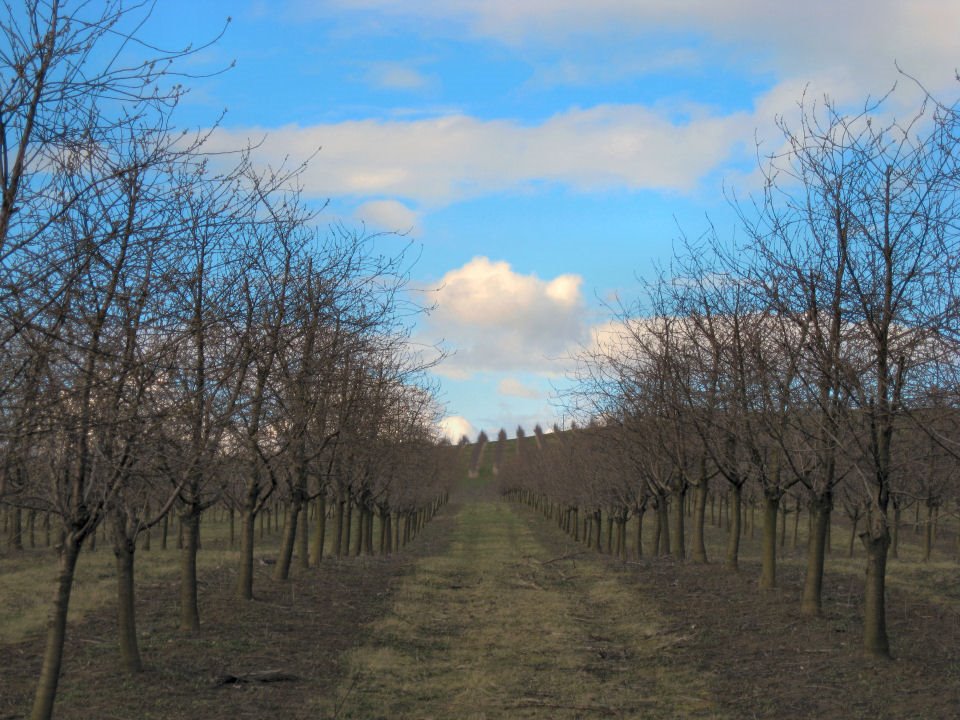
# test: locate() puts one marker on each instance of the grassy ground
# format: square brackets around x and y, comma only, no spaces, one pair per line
[493,612]
[28,576]
[499,626]
[763,660]
[301,628]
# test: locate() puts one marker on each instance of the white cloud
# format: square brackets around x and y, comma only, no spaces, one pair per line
[572,71]
[396,76]
[454,427]
[611,339]
[499,320]
[389,215]
[858,38]
[512,387]
[846,49]
[440,160]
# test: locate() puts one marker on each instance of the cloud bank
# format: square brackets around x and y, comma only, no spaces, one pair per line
[442,160]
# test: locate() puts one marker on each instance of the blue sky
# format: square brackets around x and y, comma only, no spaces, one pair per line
[543,153]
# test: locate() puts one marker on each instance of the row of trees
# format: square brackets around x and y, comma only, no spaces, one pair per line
[817,356]
[175,329]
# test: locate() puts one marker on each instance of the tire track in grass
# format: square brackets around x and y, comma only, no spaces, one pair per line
[497,627]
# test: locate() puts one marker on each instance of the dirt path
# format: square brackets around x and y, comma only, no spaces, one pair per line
[498,625]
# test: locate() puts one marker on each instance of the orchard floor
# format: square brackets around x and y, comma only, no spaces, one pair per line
[493,613]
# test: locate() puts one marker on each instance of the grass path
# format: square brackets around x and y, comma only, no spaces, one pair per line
[498,625]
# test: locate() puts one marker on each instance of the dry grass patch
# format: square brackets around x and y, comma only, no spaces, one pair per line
[500,626]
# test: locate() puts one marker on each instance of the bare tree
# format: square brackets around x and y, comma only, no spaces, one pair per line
[859,214]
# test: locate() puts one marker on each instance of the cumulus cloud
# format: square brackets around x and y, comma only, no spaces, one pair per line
[390,216]
[454,427]
[512,387]
[499,320]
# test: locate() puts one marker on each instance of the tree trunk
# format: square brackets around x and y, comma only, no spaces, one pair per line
[663,518]
[124,549]
[928,535]
[368,535]
[875,640]
[16,529]
[597,530]
[733,525]
[895,536]
[189,607]
[679,535]
[771,508]
[319,530]
[699,549]
[362,520]
[796,525]
[784,514]
[338,530]
[829,543]
[384,533]
[638,547]
[347,526]
[247,538]
[303,535]
[56,632]
[820,506]
[657,531]
[855,520]
[281,571]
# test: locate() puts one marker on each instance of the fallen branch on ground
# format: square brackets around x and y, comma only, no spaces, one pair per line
[262,676]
